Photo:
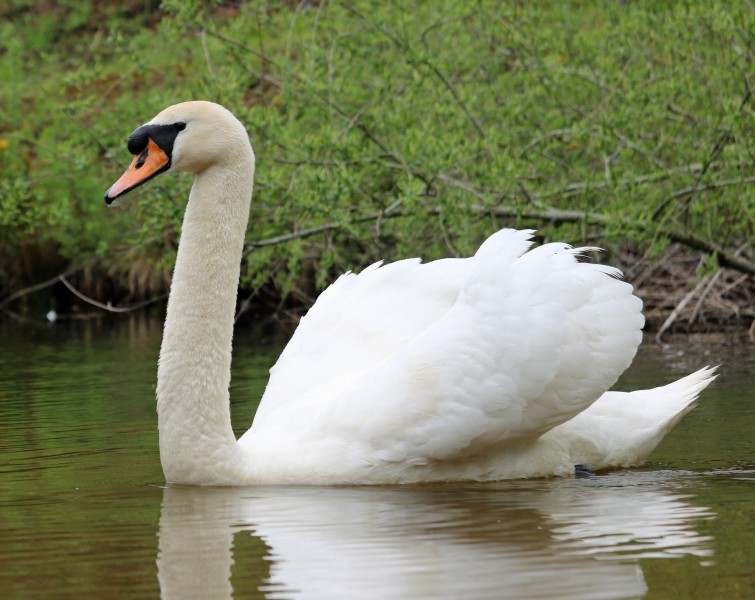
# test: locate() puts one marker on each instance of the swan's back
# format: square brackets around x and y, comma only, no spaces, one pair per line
[410,364]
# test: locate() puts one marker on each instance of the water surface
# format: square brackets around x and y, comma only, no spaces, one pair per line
[85,513]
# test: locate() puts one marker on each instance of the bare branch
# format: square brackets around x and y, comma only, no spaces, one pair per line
[108,307]
[725,258]
[456,96]
[679,308]
[547,136]
[36,287]
[697,188]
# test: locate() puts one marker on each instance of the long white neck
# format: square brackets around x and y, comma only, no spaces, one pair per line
[197,444]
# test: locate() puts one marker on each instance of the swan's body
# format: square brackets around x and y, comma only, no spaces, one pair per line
[460,369]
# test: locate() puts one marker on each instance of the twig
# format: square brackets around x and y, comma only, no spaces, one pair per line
[97,139]
[319,162]
[713,280]
[38,286]
[427,62]
[108,307]
[245,304]
[637,148]
[449,86]
[302,233]
[446,239]
[697,188]
[724,139]
[206,51]
[547,136]
[570,189]
[737,282]
[456,96]
[725,258]
[684,113]
[679,308]
[530,198]
[706,291]
[591,79]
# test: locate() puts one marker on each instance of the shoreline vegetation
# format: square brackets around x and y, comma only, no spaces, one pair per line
[383,132]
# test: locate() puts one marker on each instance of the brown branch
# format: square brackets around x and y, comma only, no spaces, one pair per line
[36,287]
[456,96]
[244,306]
[62,277]
[302,233]
[547,136]
[697,188]
[575,187]
[247,302]
[108,307]
[725,258]
[639,149]
[701,300]
[679,308]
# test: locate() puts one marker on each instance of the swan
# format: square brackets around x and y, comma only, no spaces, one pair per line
[483,368]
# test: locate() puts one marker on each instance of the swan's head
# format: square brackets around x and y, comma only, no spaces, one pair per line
[190,136]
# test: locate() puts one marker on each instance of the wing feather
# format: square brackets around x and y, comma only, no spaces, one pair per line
[412,362]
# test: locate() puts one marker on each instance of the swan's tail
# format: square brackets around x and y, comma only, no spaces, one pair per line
[622,428]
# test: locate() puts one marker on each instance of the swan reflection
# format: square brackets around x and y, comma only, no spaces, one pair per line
[541,539]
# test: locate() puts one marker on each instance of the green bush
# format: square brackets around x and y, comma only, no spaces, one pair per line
[389,132]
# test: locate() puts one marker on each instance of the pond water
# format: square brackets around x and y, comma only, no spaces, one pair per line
[85,513]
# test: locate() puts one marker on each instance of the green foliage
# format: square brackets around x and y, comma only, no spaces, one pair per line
[397,132]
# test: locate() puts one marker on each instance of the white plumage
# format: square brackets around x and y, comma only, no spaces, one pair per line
[478,368]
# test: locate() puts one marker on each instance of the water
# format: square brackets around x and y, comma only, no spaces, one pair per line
[85,513]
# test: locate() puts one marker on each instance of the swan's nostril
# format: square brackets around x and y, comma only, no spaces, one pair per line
[142,158]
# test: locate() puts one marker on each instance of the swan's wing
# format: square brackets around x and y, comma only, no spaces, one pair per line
[359,322]
[509,344]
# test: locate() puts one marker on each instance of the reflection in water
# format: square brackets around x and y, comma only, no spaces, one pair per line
[540,539]
[79,511]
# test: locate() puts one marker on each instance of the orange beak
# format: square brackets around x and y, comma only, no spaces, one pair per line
[152,161]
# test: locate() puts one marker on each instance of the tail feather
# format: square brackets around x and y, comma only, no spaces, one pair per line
[622,428]
[678,398]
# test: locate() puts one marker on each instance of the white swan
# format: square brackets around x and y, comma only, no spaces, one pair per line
[484,368]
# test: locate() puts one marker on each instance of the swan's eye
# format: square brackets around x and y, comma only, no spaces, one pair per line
[180,126]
